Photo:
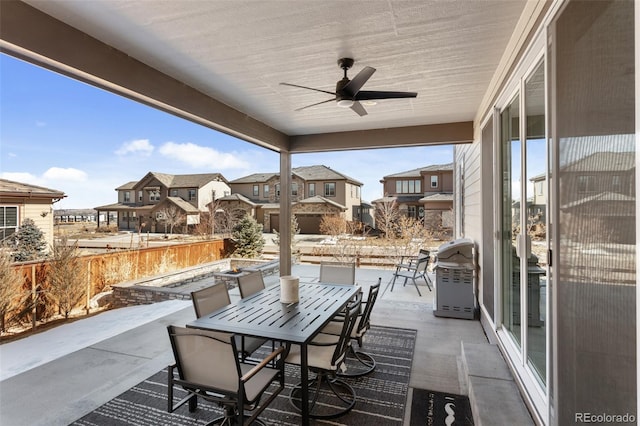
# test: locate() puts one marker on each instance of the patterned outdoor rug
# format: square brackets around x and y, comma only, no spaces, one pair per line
[438,408]
[381,396]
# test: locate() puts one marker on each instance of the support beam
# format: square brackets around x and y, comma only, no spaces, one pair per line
[433,134]
[285,213]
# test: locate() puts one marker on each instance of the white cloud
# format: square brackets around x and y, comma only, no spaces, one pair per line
[202,157]
[138,146]
[68,174]
[12,155]
[22,177]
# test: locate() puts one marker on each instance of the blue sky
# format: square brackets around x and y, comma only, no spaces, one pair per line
[66,135]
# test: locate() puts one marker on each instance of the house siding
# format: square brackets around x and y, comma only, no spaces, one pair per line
[34,211]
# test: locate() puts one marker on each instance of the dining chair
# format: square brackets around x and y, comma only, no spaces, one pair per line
[212,298]
[208,366]
[209,299]
[338,272]
[362,326]
[250,283]
[413,268]
[330,396]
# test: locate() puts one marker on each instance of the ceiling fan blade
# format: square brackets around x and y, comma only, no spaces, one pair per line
[323,102]
[359,109]
[354,86]
[374,94]
[308,88]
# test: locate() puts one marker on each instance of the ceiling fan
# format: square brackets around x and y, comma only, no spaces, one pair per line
[348,93]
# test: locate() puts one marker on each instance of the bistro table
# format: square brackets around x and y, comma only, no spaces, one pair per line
[263,315]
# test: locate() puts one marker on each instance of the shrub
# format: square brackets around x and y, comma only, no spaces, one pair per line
[67,277]
[333,225]
[11,291]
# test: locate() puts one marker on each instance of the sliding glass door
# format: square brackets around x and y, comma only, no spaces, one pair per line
[524,204]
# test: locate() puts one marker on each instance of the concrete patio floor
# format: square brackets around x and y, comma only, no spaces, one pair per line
[58,376]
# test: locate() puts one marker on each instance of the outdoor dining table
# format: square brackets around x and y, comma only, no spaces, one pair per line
[263,315]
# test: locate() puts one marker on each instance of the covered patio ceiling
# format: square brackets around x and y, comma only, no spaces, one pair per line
[220,63]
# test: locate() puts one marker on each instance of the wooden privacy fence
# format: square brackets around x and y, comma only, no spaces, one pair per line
[104,270]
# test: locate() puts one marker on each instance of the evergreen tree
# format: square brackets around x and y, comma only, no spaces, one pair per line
[247,235]
[30,242]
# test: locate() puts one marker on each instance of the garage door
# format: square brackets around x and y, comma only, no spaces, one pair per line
[309,223]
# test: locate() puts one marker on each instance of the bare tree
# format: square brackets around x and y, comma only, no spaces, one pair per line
[295,230]
[171,216]
[387,214]
[67,276]
[11,291]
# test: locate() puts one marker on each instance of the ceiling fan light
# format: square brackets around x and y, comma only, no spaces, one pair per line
[345,103]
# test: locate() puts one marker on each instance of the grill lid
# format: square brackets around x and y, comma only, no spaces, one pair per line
[459,251]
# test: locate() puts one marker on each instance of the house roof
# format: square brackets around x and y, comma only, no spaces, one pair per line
[440,196]
[608,197]
[419,171]
[320,200]
[321,172]
[255,178]
[128,185]
[603,162]
[179,181]
[121,207]
[237,197]
[307,173]
[182,204]
[18,189]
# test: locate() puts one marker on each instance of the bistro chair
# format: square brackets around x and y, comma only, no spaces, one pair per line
[363,324]
[329,396]
[209,299]
[338,272]
[250,283]
[208,366]
[413,268]
[212,298]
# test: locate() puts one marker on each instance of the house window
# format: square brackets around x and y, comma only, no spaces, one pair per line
[192,194]
[330,189]
[616,183]
[434,181]
[294,189]
[411,186]
[586,184]
[265,190]
[8,221]
[154,195]
[277,189]
[174,192]
[127,197]
[256,190]
[412,211]
[139,196]
[312,190]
